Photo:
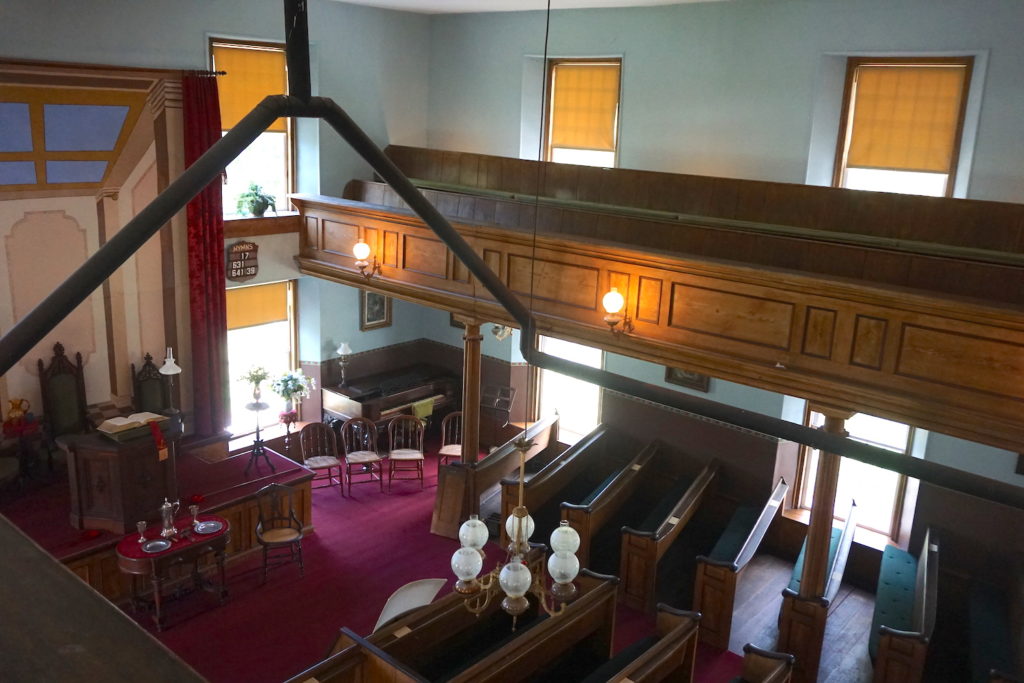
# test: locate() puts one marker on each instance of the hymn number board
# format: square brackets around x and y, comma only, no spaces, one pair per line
[242,261]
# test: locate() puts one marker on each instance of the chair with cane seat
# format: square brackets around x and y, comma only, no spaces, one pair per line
[451,437]
[405,439]
[319,449]
[359,441]
[278,530]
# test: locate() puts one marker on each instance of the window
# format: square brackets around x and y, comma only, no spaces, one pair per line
[901,124]
[254,70]
[878,492]
[261,332]
[577,403]
[582,112]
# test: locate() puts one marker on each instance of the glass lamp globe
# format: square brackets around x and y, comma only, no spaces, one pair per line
[613,301]
[361,250]
[467,563]
[527,528]
[565,538]
[473,533]
[515,578]
[563,566]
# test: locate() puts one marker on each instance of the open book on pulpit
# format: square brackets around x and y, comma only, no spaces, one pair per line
[132,426]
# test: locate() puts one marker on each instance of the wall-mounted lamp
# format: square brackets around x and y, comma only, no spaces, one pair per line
[613,303]
[501,332]
[362,253]
[343,353]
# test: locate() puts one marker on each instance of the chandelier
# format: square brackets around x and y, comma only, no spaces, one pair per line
[514,577]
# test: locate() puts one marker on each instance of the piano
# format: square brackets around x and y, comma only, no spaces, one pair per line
[382,396]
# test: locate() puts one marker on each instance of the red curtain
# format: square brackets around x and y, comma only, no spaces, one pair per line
[206,263]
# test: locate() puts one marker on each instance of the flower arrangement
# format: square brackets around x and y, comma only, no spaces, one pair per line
[255,375]
[293,385]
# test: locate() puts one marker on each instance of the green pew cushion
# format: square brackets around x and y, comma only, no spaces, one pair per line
[989,623]
[798,568]
[894,597]
[600,487]
[668,501]
[740,525]
[625,656]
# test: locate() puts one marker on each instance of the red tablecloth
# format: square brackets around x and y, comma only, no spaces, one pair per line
[130,547]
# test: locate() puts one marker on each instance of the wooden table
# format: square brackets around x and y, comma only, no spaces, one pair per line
[187,546]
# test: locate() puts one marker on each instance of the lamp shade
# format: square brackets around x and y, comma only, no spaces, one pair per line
[515,578]
[563,566]
[361,251]
[467,563]
[473,533]
[526,528]
[613,301]
[170,367]
[344,349]
[564,538]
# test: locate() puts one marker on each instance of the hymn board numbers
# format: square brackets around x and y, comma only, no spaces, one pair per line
[242,262]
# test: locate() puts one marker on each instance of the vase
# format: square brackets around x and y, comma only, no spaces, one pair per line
[288,405]
[256,393]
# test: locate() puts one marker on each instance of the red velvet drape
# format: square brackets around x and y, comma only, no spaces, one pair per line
[206,263]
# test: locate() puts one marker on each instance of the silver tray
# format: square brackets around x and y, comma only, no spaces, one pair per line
[157,545]
[210,527]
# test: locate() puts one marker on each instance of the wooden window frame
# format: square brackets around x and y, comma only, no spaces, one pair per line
[290,145]
[896,522]
[549,80]
[853,63]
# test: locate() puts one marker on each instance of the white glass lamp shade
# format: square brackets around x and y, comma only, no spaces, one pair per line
[344,349]
[467,563]
[563,566]
[361,250]
[170,367]
[526,529]
[613,301]
[565,538]
[515,578]
[473,533]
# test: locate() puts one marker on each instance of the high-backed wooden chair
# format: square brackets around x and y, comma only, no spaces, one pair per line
[278,530]
[319,449]
[63,388]
[405,439]
[451,437]
[148,392]
[359,440]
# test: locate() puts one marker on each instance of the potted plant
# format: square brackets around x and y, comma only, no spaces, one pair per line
[255,202]
[292,386]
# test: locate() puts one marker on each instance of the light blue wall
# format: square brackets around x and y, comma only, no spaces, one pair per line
[724,88]
[986,461]
[355,60]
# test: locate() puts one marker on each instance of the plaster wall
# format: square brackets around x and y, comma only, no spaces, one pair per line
[723,88]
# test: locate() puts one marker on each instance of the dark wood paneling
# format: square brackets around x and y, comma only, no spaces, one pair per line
[311,233]
[390,249]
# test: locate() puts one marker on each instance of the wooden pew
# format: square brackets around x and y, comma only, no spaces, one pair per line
[765,666]
[714,592]
[600,504]
[445,641]
[642,548]
[904,616]
[667,656]
[355,660]
[459,485]
[996,628]
[839,551]
[570,475]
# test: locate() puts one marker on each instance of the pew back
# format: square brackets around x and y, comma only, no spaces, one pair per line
[355,660]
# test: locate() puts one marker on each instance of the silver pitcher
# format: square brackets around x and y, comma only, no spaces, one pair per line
[167,512]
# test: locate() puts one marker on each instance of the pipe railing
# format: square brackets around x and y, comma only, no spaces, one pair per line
[31,329]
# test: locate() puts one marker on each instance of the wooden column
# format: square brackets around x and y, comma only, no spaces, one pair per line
[471,392]
[804,615]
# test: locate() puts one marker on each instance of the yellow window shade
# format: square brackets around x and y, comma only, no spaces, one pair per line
[258,305]
[585,100]
[252,74]
[906,117]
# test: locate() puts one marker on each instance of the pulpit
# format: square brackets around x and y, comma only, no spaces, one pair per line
[115,484]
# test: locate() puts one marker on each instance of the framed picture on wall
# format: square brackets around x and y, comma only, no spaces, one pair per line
[685,378]
[374,310]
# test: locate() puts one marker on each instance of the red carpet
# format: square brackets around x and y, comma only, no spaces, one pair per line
[362,549]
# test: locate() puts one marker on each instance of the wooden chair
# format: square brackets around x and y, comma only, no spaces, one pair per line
[148,393]
[278,530]
[63,388]
[319,449]
[451,437]
[359,439]
[405,438]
